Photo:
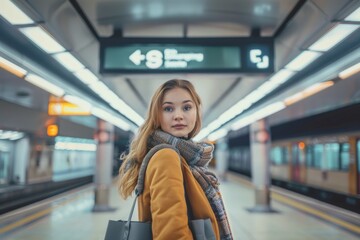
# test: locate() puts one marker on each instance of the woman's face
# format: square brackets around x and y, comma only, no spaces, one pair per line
[178,113]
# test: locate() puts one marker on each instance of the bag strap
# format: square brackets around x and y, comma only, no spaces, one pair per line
[141,178]
[140,183]
[188,205]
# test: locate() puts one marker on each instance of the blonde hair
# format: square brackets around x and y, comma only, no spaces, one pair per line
[129,170]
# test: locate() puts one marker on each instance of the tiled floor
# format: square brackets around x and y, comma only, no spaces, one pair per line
[72,219]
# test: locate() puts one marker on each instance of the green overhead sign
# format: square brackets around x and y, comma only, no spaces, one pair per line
[137,58]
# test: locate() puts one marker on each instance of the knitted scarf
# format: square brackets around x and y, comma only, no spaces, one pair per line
[198,156]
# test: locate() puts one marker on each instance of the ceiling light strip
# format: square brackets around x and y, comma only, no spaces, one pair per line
[44,84]
[312,90]
[12,68]
[13,14]
[42,39]
[86,76]
[302,60]
[260,114]
[49,44]
[333,37]
[106,116]
[350,71]
[354,16]
[69,61]
[81,103]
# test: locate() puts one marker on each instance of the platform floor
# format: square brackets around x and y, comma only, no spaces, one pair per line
[70,217]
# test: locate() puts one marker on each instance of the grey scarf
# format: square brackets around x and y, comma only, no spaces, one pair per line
[198,156]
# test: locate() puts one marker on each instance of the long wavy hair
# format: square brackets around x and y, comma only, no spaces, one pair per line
[129,170]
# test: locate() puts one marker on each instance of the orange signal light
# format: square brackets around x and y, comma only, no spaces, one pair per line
[301,145]
[52,130]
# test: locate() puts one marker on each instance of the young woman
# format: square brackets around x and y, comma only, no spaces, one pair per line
[174,118]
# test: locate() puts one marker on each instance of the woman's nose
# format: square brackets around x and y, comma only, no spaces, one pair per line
[178,115]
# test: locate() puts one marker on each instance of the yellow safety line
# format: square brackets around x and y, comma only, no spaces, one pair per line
[315,212]
[34,216]
[25,220]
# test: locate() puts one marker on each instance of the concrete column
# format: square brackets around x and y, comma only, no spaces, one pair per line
[104,161]
[260,151]
[222,158]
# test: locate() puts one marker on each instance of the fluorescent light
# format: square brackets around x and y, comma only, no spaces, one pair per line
[13,14]
[102,90]
[76,146]
[302,60]
[201,135]
[44,84]
[294,98]
[238,108]
[128,112]
[281,76]
[43,39]
[277,79]
[317,87]
[215,124]
[350,71]
[12,68]
[100,113]
[260,114]
[254,96]
[78,102]
[354,16]
[333,37]
[69,61]
[109,96]
[218,134]
[313,89]
[267,87]
[86,76]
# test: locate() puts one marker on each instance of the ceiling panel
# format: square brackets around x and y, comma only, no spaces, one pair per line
[170,18]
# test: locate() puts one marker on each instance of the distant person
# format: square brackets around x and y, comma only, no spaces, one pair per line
[174,118]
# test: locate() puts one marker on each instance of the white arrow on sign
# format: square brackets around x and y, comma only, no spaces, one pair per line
[136,57]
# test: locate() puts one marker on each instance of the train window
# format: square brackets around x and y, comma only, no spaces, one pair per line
[275,155]
[344,156]
[295,155]
[278,155]
[4,166]
[332,153]
[318,155]
[285,155]
[309,155]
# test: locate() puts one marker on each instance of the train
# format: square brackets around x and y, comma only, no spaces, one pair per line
[325,167]
[34,167]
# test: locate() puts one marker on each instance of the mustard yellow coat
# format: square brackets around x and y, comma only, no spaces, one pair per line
[163,200]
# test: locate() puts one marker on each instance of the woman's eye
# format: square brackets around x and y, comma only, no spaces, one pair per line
[187,108]
[168,109]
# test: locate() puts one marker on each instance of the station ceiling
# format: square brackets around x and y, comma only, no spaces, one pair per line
[79,26]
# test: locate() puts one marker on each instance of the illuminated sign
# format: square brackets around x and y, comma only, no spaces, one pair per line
[190,55]
[59,107]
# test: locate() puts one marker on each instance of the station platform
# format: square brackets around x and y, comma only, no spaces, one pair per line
[69,216]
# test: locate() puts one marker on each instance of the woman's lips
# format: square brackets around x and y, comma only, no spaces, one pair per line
[179,126]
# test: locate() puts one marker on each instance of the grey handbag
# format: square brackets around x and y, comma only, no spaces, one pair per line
[128,230]
[133,230]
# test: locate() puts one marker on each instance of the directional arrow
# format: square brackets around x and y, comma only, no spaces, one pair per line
[136,57]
